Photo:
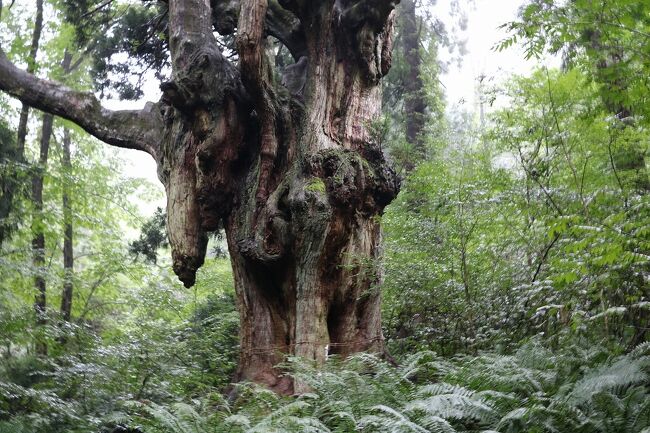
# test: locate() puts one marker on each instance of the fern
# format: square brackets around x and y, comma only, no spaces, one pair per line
[388,419]
[615,378]
[641,417]
[573,391]
[451,402]
[182,418]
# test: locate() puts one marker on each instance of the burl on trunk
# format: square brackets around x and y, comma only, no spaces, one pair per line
[286,164]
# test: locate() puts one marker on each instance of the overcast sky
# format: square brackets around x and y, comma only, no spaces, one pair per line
[481,35]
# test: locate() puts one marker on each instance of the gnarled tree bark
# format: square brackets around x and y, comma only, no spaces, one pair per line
[290,169]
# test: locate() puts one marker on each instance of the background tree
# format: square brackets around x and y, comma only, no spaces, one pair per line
[413,98]
[68,223]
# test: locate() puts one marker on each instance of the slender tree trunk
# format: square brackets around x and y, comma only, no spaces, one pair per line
[38,240]
[31,68]
[15,154]
[68,253]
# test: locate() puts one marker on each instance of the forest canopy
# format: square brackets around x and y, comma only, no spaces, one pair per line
[340,246]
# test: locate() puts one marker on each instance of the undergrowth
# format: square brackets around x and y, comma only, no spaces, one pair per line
[581,390]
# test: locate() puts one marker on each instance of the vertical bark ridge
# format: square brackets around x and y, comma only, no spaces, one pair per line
[257,78]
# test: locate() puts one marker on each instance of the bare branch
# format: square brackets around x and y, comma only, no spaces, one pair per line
[128,129]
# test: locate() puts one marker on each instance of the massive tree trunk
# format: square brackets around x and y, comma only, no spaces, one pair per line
[290,169]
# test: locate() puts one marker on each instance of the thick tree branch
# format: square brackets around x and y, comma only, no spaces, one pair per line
[128,129]
[287,28]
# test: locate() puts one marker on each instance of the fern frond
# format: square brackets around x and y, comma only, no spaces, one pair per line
[426,362]
[443,388]
[183,419]
[500,401]
[389,420]
[436,424]
[452,406]
[615,378]
[238,420]
[640,350]
[640,421]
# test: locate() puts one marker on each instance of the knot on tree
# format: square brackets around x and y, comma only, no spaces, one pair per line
[205,80]
[375,50]
[225,14]
[355,182]
[255,250]
[372,25]
[185,266]
[266,241]
[356,13]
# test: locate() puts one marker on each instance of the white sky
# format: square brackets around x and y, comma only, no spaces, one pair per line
[482,35]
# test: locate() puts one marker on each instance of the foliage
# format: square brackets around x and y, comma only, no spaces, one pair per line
[579,389]
[129,41]
[152,237]
[151,355]
[531,227]
[608,40]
